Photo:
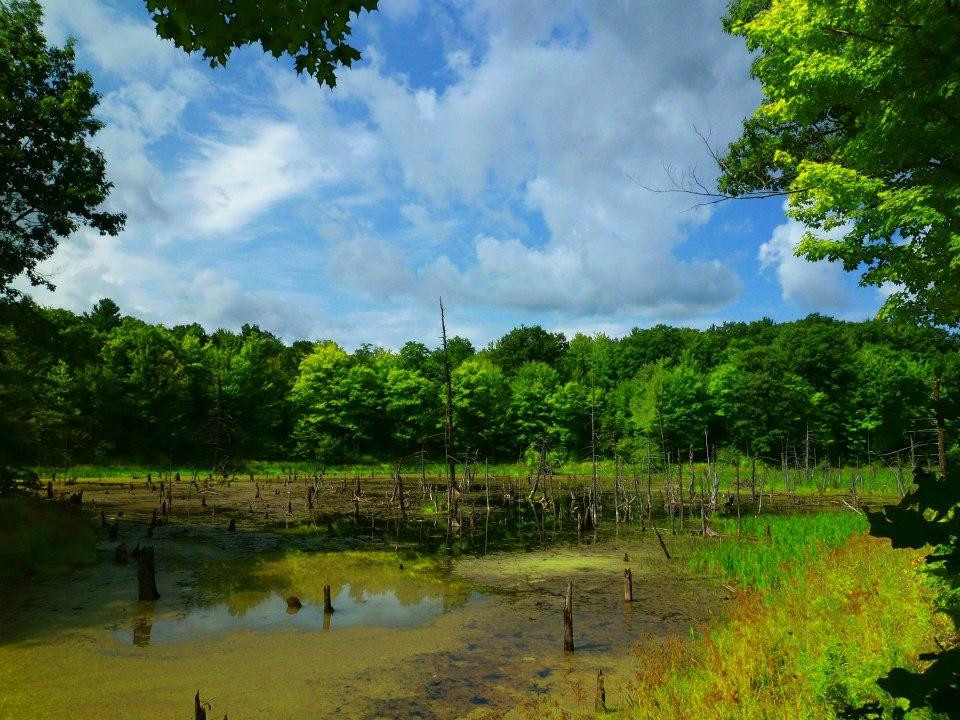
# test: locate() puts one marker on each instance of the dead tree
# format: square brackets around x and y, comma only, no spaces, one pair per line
[448,431]
[568,619]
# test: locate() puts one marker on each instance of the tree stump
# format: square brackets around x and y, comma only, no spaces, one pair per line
[50,490]
[232,527]
[600,700]
[114,530]
[121,554]
[293,603]
[628,585]
[198,712]
[568,619]
[146,574]
[327,605]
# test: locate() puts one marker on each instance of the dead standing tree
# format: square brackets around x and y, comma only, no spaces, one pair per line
[448,431]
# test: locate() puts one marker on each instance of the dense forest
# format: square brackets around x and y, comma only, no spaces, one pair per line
[101,387]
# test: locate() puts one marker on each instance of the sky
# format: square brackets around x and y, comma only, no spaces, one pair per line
[496,154]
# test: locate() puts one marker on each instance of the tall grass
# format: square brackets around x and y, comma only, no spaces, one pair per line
[808,648]
[759,560]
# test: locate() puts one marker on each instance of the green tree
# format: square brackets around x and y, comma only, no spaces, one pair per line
[144,393]
[313,32]
[339,402]
[412,408]
[527,344]
[889,397]
[531,412]
[104,316]
[569,433]
[860,127]
[672,407]
[52,181]
[761,403]
[481,399]
[322,408]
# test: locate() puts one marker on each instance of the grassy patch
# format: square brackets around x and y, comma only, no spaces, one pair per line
[757,560]
[41,538]
[804,649]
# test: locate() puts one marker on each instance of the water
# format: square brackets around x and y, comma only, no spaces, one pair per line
[352,607]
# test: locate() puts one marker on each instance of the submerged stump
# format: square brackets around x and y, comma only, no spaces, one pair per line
[568,619]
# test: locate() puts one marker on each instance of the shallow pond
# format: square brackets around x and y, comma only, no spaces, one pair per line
[416,631]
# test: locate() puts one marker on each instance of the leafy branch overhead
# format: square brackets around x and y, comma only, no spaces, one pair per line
[859,128]
[315,33]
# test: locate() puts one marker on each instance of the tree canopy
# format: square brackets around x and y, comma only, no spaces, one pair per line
[52,181]
[314,33]
[859,127]
[100,387]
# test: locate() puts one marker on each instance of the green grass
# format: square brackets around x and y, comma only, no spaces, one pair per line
[808,647]
[870,480]
[754,561]
[42,538]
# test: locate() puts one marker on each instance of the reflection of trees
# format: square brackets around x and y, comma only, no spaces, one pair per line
[242,585]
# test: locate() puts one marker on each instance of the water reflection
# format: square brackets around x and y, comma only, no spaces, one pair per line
[142,627]
[352,609]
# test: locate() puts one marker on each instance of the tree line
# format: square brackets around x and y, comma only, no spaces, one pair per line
[100,387]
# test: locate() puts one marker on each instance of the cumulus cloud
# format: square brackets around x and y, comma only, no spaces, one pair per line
[554,128]
[815,285]
[505,184]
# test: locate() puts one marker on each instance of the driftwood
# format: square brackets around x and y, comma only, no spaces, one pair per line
[663,545]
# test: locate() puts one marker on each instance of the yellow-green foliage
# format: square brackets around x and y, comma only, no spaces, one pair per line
[39,538]
[802,650]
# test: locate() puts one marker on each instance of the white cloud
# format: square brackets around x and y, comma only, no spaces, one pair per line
[815,285]
[228,184]
[506,190]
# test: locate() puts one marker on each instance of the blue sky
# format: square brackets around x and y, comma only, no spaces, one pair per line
[482,151]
